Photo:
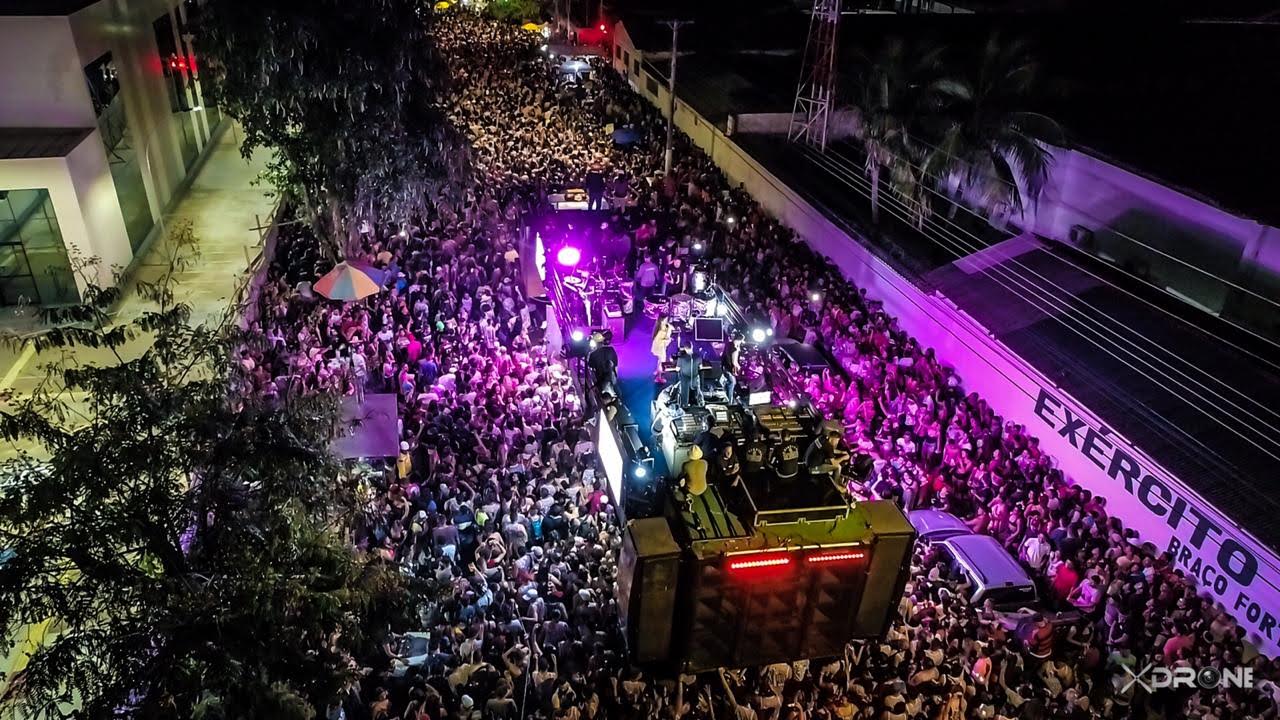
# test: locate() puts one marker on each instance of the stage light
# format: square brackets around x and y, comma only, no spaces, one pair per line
[641,472]
[769,332]
[792,403]
[730,220]
[569,256]
[697,247]
[404,234]
[601,27]
[578,335]
[816,297]
[757,335]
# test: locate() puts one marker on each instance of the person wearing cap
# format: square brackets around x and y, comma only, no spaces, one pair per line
[693,474]
[404,461]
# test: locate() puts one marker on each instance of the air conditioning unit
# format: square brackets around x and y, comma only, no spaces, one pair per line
[1082,237]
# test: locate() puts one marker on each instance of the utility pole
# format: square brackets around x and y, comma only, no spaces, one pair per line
[675,26]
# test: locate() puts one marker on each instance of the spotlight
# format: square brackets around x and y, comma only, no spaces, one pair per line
[792,403]
[816,297]
[404,233]
[641,472]
[569,256]
[697,247]
[769,332]
[730,220]
[578,335]
[758,335]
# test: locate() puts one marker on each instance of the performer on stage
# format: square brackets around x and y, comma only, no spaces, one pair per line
[603,362]
[687,368]
[661,340]
[731,365]
[786,461]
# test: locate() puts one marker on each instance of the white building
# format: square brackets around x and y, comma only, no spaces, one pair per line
[102,122]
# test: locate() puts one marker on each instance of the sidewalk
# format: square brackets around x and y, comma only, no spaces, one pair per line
[224,208]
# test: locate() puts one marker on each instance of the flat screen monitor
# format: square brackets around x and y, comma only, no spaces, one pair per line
[611,458]
[762,397]
[708,329]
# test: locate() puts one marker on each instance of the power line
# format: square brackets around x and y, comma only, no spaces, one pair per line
[1089,215]
[1026,286]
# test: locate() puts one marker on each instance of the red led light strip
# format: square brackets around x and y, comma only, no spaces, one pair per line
[837,556]
[758,562]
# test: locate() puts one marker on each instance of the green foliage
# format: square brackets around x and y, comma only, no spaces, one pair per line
[515,11]
[923,127]
[985,140]
[344,93]
[186,543]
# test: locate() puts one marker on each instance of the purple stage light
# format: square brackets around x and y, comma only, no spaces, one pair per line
[569,256]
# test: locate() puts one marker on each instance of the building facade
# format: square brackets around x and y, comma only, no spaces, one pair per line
[102,123]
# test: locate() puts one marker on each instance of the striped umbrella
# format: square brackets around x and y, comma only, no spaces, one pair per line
[345,282]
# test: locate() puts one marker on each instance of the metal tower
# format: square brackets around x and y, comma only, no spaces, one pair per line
[816,89]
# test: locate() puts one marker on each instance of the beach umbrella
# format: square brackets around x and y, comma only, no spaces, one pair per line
[345,282]
[532,27]
[377,275]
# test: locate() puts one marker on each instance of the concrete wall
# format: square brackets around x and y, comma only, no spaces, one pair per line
[84,201]
[42,83]
[1156,231]
[41,76]
[1232,566]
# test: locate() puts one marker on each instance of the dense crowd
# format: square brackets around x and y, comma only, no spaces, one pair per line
[494,509]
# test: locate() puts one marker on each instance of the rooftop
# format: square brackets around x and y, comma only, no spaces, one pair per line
[42,7]
[27,143]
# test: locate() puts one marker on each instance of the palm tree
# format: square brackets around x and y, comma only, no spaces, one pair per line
[989,149]
[894,89]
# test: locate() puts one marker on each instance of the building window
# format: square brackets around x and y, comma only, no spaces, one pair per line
[635,68]
[651,85]
[617,52]
[33,259]
[122,157]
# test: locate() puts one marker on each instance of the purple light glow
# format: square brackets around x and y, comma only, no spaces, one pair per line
[569,256]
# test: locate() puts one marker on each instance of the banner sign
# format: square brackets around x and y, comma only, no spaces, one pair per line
[1228,566]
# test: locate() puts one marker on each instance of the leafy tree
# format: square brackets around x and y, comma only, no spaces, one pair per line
[986,142]
[515,10]
[345,93]
[894,89]
[187,542]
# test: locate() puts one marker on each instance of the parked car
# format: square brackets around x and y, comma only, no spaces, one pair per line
[992,572]
[933,525]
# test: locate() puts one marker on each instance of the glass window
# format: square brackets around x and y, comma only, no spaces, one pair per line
[33,259]
[122,157]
